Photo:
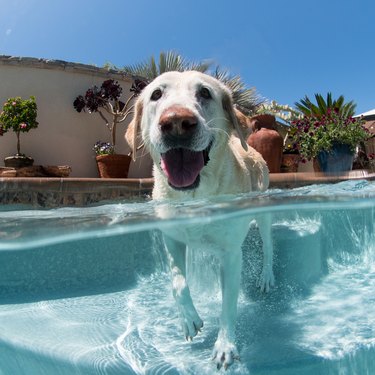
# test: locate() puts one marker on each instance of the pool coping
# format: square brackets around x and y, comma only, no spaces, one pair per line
[49,192]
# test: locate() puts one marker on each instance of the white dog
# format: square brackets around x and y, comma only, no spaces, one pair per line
[188,124]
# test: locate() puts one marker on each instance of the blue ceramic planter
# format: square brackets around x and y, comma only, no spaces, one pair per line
[339,159]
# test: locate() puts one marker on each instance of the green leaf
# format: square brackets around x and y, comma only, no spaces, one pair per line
[321,104]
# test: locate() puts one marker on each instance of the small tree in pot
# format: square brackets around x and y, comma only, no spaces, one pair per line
[105,101]
[20,116]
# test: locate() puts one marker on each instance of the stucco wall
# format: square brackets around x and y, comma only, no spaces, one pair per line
[64,136]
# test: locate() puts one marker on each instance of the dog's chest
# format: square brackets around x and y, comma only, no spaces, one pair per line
[216,237]
[198,235]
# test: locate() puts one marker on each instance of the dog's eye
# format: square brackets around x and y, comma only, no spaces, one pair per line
[156,95]
[204,92]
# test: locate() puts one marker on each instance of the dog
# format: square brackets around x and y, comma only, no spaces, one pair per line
[189,126]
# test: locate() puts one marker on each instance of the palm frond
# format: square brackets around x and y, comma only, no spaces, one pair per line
[329,100]
[306,107]
[168,61]
[246,99]
[154,68]
[338,102]
[349,109]
[322,104]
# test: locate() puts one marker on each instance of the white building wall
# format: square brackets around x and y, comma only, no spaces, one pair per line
[64,136]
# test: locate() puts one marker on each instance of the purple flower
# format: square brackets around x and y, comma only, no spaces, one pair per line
[111,89]
[93,99]
[138,85]
[79,104]
[103,148]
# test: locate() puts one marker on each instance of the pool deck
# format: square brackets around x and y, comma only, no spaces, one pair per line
[55,192]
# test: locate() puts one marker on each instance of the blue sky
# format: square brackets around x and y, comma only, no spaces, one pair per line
[286,49]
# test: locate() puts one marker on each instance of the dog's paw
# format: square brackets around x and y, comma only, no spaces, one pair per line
[224,354]
[266,280]
[191,326]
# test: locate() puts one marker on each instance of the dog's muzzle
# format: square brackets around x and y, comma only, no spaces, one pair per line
[181,164]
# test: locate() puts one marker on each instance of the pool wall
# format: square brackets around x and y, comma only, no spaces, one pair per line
[56,192]
[93,265]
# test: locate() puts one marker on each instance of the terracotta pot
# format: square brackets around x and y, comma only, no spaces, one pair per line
[18,161]
[263,121]
[113,166]
[269,143]
[289,163]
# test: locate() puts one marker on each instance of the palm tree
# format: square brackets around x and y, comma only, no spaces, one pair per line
[246,100]
[321,107]
[168,61]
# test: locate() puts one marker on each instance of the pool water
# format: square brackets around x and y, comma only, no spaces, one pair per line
[86,290]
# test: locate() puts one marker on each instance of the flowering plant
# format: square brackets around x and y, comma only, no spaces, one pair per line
[104,148]
[105,100]
[20,116]
[315,133]
[290,148]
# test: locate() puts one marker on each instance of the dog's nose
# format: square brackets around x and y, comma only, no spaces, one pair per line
[177,121]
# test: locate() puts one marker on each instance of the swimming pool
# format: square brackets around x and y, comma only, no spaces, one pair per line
[86,291]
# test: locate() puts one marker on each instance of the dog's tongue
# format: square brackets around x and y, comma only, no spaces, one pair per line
[182,166]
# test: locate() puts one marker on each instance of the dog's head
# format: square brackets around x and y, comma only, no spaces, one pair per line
[180,117]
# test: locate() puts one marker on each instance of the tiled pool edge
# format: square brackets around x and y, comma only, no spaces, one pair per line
[293,180]
[56,192]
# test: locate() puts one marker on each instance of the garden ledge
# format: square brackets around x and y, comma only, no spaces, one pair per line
[49,192]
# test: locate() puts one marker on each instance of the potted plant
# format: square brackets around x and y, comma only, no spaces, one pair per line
[290,157]
[18,115]
[105,101]
[110,165]
[327,133]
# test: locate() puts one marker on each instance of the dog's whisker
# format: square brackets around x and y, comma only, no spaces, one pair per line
[218,130]
[216,119]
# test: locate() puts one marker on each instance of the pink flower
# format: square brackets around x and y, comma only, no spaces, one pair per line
[23,125]
[14,103]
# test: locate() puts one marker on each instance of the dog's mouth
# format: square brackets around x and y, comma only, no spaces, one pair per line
[183,167]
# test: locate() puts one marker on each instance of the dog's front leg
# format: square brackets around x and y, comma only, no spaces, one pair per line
[191,322]
[265,229]
[225,351]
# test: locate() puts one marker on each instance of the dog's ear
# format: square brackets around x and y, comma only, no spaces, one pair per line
[133,132]
[232,116]
[243,120]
